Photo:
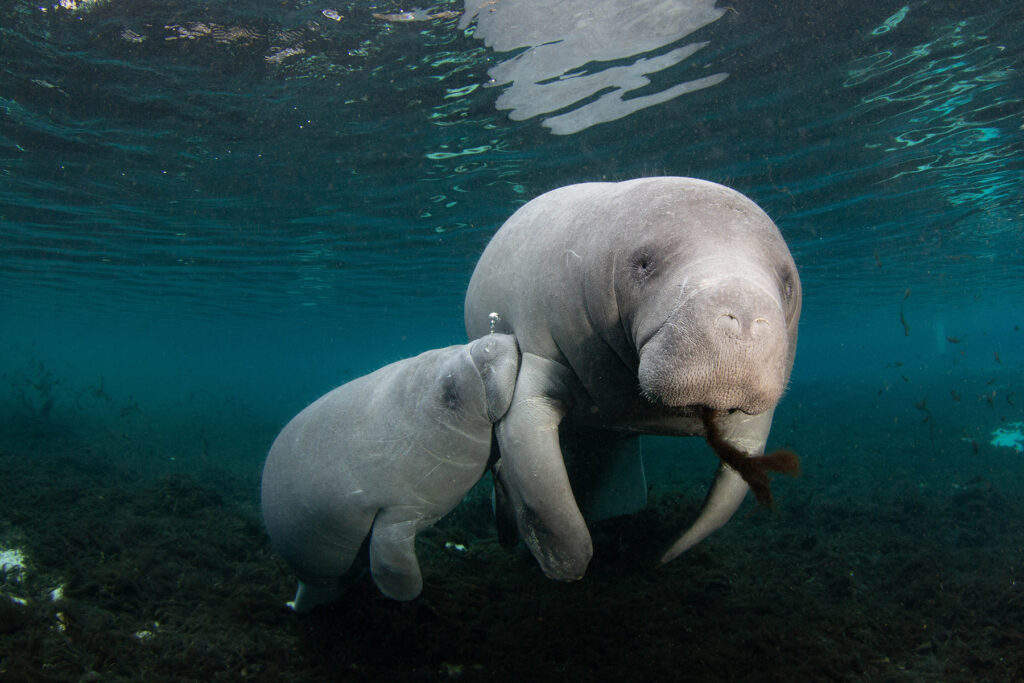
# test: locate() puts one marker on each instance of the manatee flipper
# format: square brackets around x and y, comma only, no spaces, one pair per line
[532,474]
[606,471]
[393,563]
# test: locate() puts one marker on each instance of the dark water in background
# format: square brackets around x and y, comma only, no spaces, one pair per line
[210,215]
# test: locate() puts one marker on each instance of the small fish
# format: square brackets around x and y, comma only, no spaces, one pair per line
[903,319]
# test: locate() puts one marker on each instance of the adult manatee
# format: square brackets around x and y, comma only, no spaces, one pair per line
[379,459]
[651,306]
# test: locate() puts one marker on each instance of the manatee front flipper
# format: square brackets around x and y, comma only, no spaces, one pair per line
[393,563]
[532,478]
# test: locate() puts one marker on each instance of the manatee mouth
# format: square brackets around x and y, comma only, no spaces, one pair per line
[694,374]
[685,404]
[725,346]
[689,410]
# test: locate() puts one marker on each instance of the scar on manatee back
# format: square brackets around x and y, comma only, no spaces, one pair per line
[753,469]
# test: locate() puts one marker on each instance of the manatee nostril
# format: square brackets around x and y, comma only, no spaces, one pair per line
[729,324]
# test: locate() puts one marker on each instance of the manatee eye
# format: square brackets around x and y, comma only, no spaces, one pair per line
[787,285]
[642,265]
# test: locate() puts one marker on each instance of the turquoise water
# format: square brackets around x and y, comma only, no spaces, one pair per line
[194,200]
[212,214]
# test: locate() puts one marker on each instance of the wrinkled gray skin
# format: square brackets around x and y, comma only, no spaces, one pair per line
[385,455]
[633,303]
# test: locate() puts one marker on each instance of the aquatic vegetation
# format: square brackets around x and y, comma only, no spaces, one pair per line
[13,564]
[753,470]
[79,5]
[173,579]
[33,387]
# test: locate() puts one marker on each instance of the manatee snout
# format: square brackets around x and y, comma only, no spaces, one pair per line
[725,347]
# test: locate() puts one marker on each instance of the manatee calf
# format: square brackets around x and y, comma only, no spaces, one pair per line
[384,456]
[650,306]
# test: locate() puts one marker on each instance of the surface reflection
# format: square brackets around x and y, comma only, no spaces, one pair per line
[577,61]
